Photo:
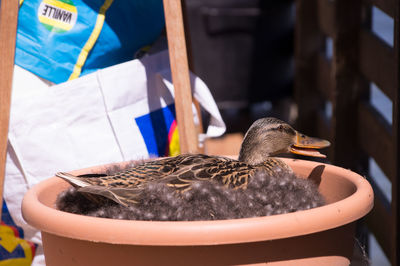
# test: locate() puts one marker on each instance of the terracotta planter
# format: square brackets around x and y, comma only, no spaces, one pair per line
[320,236]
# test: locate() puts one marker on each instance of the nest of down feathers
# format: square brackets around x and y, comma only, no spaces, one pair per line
[207,200]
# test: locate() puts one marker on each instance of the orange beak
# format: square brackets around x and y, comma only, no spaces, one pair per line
[308,146]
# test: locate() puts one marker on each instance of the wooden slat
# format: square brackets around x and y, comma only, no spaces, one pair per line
[375,138]
[188,139]
[308,44]
[379,221]
[345,82]
[326,17]
[308,38]
[387,6]
[324,77]
[8,30]
[376,62]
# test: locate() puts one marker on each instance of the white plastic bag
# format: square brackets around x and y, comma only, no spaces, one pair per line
[120,113]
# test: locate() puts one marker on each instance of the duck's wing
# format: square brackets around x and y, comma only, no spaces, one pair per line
[178,172]
[228,172]
[222,170]
[132,177]
[189,170]
[136,176]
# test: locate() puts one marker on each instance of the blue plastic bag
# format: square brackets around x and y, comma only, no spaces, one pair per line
[59,40]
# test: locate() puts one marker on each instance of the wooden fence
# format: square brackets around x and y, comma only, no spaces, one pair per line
[342,82]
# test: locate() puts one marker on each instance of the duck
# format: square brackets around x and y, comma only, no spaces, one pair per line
[266,138]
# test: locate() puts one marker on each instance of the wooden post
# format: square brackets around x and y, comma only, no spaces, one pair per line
[308,42]
[345,82]
[8,30]
[180,75]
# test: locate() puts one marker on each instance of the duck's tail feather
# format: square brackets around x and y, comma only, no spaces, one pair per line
[123,196]
[73,180]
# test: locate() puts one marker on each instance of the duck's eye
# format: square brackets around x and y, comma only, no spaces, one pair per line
[280,127]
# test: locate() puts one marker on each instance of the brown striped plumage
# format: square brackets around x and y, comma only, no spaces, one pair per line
[181,171]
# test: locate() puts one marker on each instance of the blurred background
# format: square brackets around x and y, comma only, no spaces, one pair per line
[240,46]
[245,50]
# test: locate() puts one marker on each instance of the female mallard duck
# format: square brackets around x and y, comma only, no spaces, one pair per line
[265,138]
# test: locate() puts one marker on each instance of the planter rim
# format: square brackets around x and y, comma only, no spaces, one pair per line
[183,233]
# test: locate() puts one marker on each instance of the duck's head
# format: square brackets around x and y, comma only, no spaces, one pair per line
[270,136]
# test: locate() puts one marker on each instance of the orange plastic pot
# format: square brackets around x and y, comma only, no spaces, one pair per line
[319,236]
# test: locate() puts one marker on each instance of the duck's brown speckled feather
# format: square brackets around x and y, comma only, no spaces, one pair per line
[181,170]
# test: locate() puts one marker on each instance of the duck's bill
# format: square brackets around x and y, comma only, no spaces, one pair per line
[308,146]
[307,152]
